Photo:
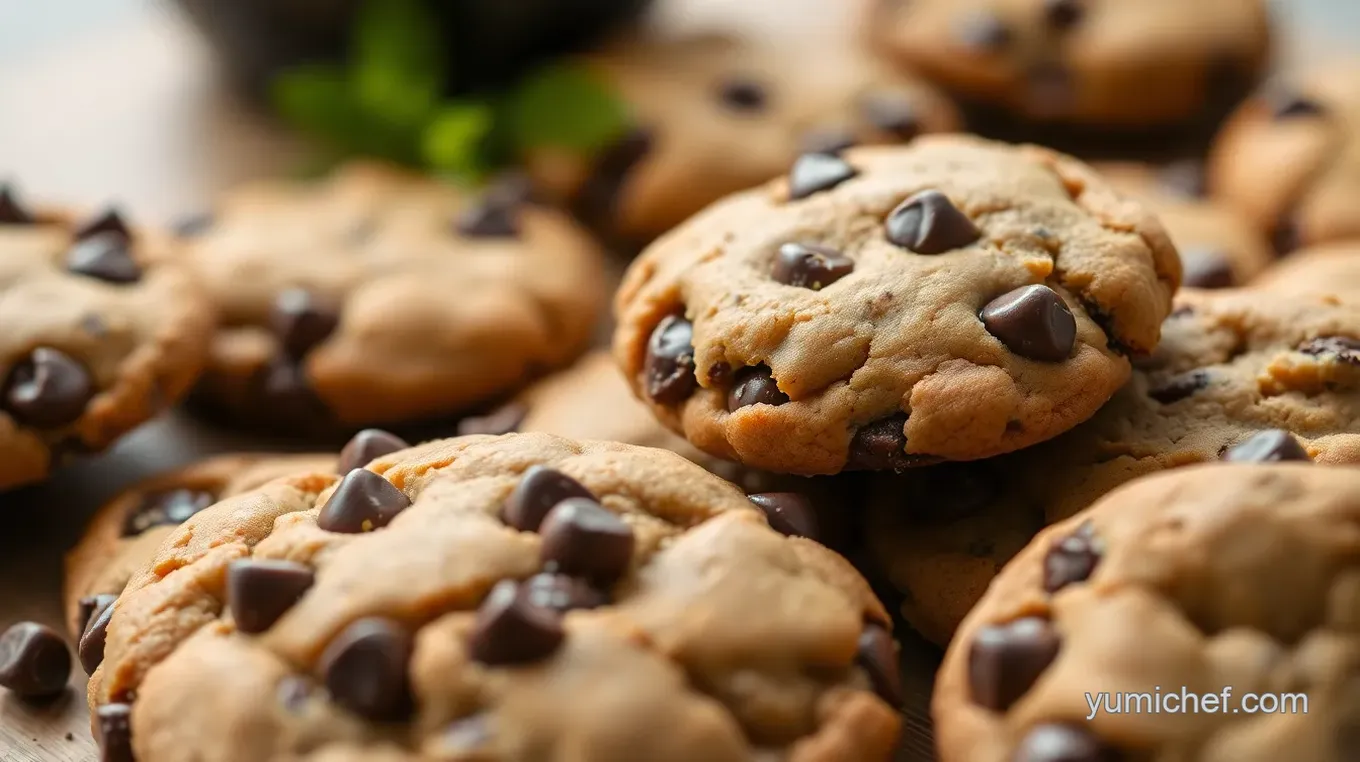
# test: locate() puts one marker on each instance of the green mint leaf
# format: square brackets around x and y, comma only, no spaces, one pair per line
[453,140]
[316,100]
[565,106]
[398,61]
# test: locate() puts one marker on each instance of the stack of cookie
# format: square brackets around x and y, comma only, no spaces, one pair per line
[960,363]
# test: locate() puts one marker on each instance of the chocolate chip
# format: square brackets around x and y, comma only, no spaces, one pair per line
[670,361]
[34,661]
[829,140]
[363,502]
[877,655]
[754,386]
[1071,559]
[1287,103]
[104,256]
[301,320]
[1006,659]
[90,649]
[193,225]
[367,446]
[110,221]
[789,513]
[892,113]
[929,223]
[1179,387]
[1287,236]
[538,492]
[1206,268]
[562,593]
[284,393]
[11,211]
[1271,446]
[512,629]
[816,172]
[505,419]
[1342,348]
[983,32]
[597,200]
[87,607]
[1063,14]
[810,266]
[1184,179]
[743,95]
[167,508]
[260,591]
[1062,743]
[48,389]
[584,539]
[365,669]
[491,216]
[1033,322]
[880,446]
[719,373]
[113,731]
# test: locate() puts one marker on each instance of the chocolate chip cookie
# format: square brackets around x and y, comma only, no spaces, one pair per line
[952,299]
[1239,374]
[1113,64]
[375,296]
[103,329]
[1289,158]
[515,598]
[1219,247]
[1218,581]
[715,115]
[1327,270]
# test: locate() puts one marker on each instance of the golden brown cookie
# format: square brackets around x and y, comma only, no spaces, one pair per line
[1228,595]
[1327,270]
[103,329]
[376,296]
[952,299]
[516,598]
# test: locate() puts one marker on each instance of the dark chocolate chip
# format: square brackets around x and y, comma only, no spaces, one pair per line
[1063,14]
[1062,743]
[366,446]
[929,223]
[512,629]
[743,95]
[301,320]
[892,113]
[104,256]
[491,216]
[113,731]
[363,502]
[1206,268]
[877,655]
[719,373]
[260,591]
[829,140]
[11,211]
[810,266]
[1005,660]
[1184,179]
[1033,322]
[816,172]
[193,225]
[1287,103]
[538,492]
[1071,559]
[285,393]
[1271,446]
[1343,348]
[789,513]
[1287,236]
[1179,387]
[110,221]
[880,446]
[34,661]
[91,646]
[365,669]
[670,361]
[87,607]
[562,593]
[584,539]
[983,32]
[598,199]
[47,390]
[754,386]
[167,508]
[505,419]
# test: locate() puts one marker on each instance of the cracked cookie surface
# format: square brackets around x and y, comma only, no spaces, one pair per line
[952,299]
[103,329]
[1234,366]
[497,598]
[377,296]
[1226,576]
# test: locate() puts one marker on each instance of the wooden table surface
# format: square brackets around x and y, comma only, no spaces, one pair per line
[128,109]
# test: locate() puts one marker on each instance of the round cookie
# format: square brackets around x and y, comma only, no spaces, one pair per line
[1219,247]
[1289,158]
[1218,581]
[1233,366]
[952,299]
[376,296]
[514,598]
[102,331]
[1114,63]
[1329,270]
[716,114]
